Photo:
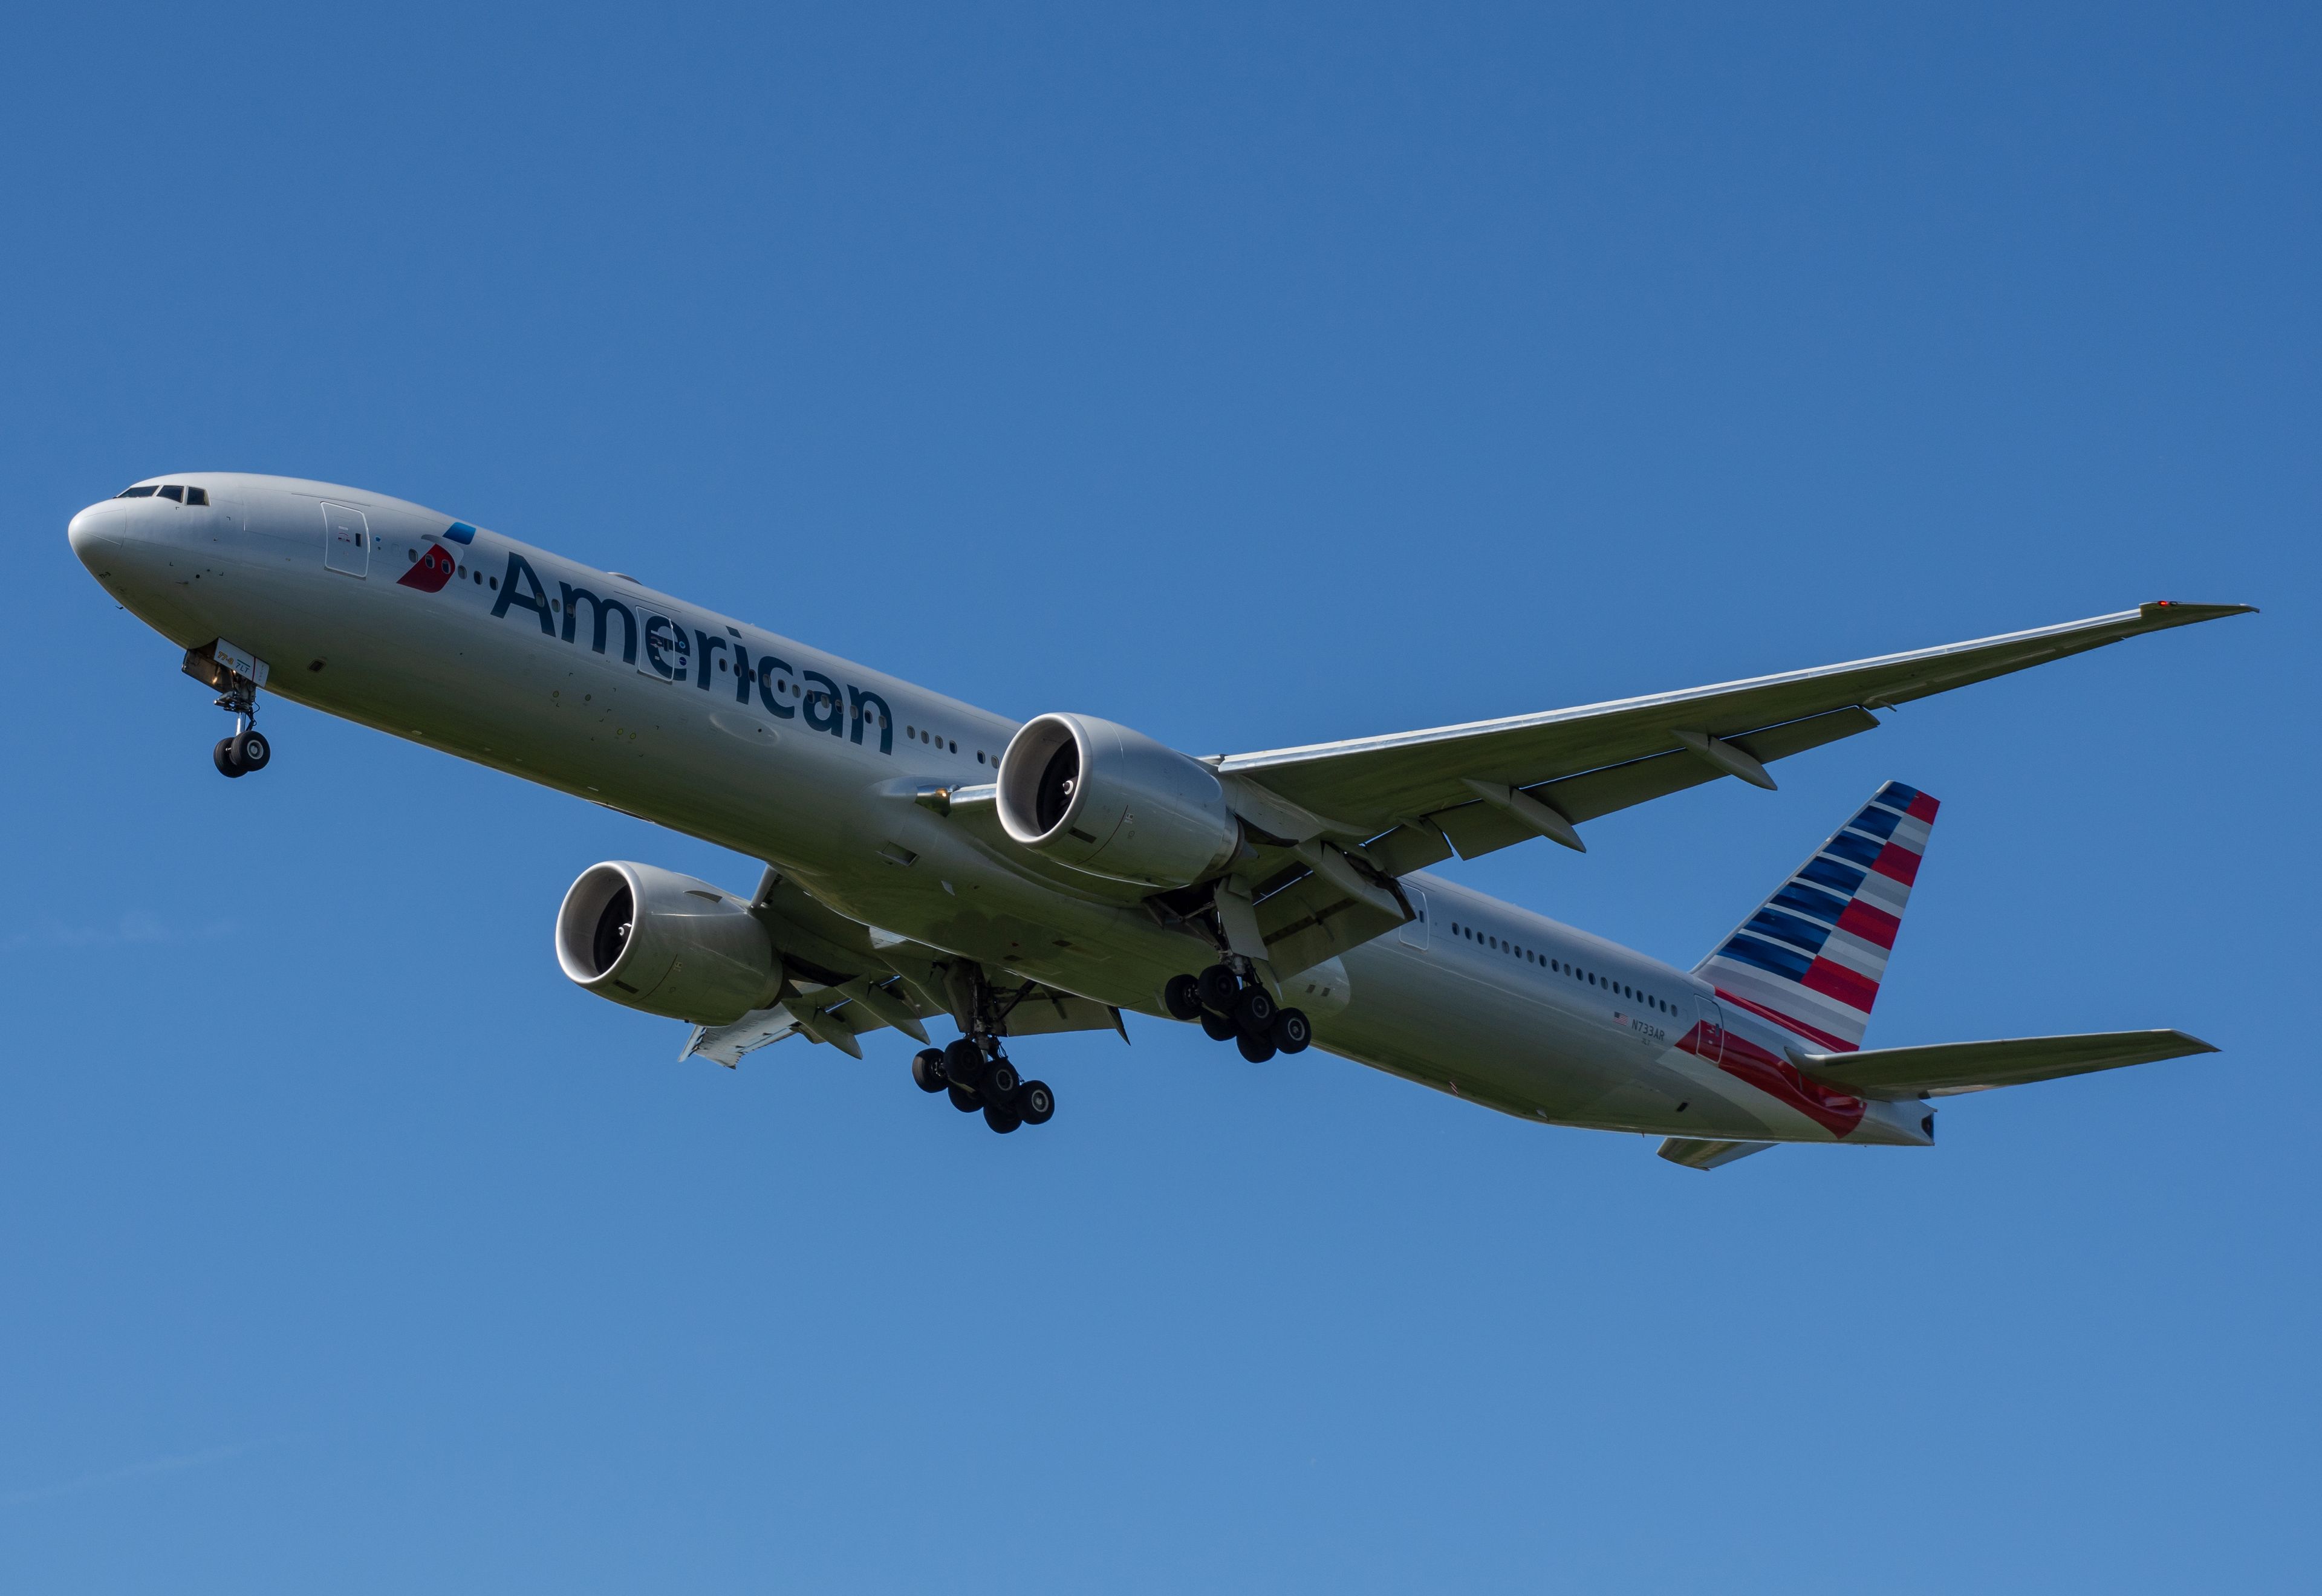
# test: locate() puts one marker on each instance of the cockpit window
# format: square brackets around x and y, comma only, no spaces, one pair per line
[174,491]
[197,495]
[134,493]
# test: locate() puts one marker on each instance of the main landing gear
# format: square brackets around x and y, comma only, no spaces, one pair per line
[977,1075]
[1235,1006]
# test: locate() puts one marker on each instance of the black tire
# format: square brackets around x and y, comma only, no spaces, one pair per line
[1218,989]
[963,1099]
[251,750]
[1000,1083]
[1255,1049]
[221,756]
[1181,996]
[1217,1027]
[1253,1014]
[963,1063]
[1292,1032]
[1002,1120]
[1036,1104]
[927,1069]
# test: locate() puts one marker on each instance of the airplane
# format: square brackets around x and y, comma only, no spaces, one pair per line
[924,859]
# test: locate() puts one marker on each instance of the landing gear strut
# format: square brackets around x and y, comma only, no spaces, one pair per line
[1233,1005]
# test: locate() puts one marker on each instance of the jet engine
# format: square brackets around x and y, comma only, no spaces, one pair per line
[1113,802]
[667,943]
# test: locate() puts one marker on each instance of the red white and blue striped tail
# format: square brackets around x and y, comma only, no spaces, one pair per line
[1812,957]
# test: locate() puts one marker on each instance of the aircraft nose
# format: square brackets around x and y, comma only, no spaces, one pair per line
[93,529]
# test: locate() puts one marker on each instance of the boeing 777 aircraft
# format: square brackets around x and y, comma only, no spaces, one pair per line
[925,858]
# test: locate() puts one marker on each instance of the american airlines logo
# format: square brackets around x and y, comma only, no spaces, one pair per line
[661,645]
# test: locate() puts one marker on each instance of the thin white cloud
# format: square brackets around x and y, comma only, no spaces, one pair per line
[135,1470]
[136,928]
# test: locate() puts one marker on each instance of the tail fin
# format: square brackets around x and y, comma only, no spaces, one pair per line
[1812,957]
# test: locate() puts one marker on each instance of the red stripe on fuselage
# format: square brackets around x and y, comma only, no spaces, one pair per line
[1777,1078]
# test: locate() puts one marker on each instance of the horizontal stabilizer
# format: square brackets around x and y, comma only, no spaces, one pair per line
[1697,1155]
[1951,1067]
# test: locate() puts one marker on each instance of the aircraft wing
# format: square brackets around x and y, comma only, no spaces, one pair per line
[1487,784]
[1949,1068]
[836,987]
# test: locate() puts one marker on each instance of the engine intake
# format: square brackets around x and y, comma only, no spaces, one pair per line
[1113,802]
[670,945]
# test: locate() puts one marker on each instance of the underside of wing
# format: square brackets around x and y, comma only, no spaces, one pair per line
[842,978]
[1952,1067]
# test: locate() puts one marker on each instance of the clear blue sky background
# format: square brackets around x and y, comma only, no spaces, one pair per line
[1251,375]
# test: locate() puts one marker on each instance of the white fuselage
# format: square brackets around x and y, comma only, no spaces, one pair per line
[814,765]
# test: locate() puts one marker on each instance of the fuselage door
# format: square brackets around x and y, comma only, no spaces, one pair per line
[1711,1038]
[1415,929]
[346,539]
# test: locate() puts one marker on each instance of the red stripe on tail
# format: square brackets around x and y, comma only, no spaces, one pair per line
[1898,864]
[1872,925]
[1833,980]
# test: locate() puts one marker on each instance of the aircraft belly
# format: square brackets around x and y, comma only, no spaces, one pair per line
[1422,1016]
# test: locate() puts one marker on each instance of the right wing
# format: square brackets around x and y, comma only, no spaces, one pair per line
[1951,1067]
[1472,784]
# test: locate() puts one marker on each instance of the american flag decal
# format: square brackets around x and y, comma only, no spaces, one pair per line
[1812,957]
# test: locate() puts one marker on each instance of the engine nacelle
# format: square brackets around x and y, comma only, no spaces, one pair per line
[667,943]
[1115,802]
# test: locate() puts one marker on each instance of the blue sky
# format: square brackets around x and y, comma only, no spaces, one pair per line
[1252,375]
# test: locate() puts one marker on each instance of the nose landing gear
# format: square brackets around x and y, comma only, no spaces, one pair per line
[240,675]
[1233,1005]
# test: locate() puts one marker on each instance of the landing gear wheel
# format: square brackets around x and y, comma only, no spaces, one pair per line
[1036,1103]
[221,756]
[251,750]
[1000,1083]
[1254,1012]
[964,1100]
[1216,1027]
[927,1069]
[1291,1031]
[1255,1049]
[1218,989]
[1182,996]
[1002,1120]
[963,1064]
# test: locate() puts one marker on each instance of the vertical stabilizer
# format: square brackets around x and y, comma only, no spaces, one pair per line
[1812,957]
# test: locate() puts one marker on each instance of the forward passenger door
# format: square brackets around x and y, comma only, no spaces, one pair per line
[346,539]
